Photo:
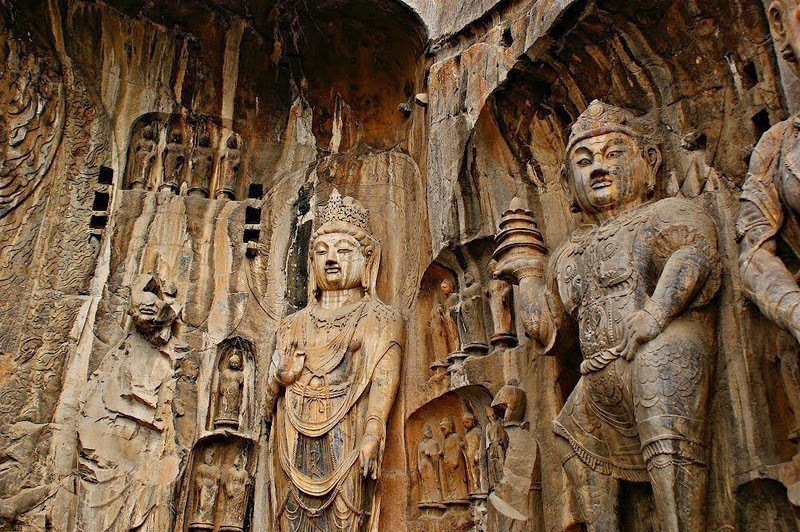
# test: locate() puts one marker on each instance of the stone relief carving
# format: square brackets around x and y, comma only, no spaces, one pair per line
[231,388]
[235,485]
[472,326]
[337,366]
[174,160]
[231,384]
[443,326]
[501,303]
[455,491]
[184,155]
[129,459]
[637,277]
[475,454]
[429,454]
[218,485]
[201,167]
[496,447]
[144,155]
[206,487]
[229,163]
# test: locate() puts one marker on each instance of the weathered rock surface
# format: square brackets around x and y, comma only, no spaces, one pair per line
[176,155]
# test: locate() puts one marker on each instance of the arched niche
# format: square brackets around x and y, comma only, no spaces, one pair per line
[225,374]
[356,62]
[216,491]
[472,400]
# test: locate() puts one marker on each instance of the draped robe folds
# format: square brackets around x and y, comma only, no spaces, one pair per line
[321,418]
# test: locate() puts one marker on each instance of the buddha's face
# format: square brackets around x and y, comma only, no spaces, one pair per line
[469,422]
[427,431]
[446,427]
[235,362]
[784,24]
[149,310]
[338,262]
[607,172]
[447,287]
[208,457]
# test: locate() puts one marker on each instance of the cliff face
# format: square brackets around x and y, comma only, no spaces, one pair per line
[195,141]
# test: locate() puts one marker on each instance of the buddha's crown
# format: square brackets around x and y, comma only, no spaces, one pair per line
[600,118]
[344,209]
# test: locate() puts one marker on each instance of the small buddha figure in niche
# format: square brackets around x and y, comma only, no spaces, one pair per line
[174,158]
[473,328]
[144,155]
[235,487]
[769,218]
[337,364]
[206,486]
[453,465]
[428,456]
[637,276]
[201,166]
[443,326]
[229,163]
[475,454]
[231,384]
[497,445]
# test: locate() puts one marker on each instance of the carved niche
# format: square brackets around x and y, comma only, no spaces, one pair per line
[185,155]
[232,387]
[217,489]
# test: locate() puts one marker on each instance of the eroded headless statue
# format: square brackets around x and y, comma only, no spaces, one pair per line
[336,371]
[637,276]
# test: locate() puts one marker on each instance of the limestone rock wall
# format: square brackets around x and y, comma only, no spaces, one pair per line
[434,115]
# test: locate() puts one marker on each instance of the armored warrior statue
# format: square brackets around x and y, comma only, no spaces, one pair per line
[769,218]
[144,155]
[638,277]
[428,456]
[337,363]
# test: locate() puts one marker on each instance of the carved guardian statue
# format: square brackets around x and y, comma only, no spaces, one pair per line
[769,218]
[637,277]
[335,373]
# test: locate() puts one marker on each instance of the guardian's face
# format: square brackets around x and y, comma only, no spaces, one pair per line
[338,262]
[607,172]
